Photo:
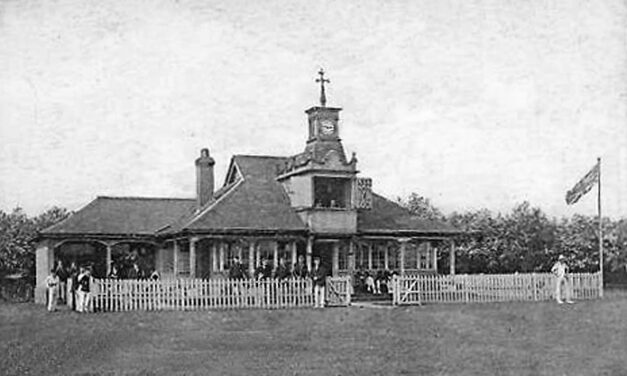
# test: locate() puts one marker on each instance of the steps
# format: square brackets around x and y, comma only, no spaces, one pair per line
[368,297]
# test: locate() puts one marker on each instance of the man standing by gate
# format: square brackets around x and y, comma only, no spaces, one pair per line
[318,275]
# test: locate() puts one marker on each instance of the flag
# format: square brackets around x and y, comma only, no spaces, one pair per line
[583,186]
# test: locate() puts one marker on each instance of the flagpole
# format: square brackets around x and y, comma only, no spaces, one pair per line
[600,229]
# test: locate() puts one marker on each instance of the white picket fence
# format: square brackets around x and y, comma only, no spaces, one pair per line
[110,295]
[482,288]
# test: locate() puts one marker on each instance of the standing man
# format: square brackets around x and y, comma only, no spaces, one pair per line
[237,273]
[52,283]
[560,269]
[63,276]
[318,275]
[73,281]
[84,284]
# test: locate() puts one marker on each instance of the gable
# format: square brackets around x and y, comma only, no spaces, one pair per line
[258,202]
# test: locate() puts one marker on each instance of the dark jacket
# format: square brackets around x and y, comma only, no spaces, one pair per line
[237,271]
[84,283]
[263,272]
[74,277]
[282,272]
[135,274]
[300,271]
[62,274]
[318,276]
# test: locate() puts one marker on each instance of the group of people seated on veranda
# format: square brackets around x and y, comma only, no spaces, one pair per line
[131,266]
[372,282]
[134,272]
[266,270]
[283,271]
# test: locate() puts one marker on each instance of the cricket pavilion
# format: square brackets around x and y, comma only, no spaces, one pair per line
[312,204]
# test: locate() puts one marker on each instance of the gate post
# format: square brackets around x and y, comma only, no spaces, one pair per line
[396,287]
[348,290]
[533,286]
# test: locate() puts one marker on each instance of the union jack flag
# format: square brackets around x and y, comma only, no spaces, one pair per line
[584,185]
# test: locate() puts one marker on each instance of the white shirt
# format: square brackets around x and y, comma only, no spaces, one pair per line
[52,281]
[559,269]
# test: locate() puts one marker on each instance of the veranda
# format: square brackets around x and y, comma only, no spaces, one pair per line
[210,257]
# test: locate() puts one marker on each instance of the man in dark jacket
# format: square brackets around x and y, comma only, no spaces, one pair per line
[318,276]
[73,278]
[236,271]
[263,271]
[63,276]
[136,273]
[300,268]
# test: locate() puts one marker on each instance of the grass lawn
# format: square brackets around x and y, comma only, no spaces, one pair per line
[588,338]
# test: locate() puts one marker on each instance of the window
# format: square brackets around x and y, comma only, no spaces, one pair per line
[425,256]
[285,252]
[183,261]
[411,256]
[378,257]
[331,192]
[392,257]
[230,251]
[361,257]
[265,251]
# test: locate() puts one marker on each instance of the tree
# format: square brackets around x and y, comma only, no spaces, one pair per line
[17,231]
[421,207]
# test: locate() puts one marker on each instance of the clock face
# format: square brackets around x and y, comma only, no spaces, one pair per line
[327,127]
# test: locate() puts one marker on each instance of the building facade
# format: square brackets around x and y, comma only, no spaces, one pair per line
[312,204]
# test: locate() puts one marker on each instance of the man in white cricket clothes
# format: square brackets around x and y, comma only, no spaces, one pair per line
[84,282]
[52,283]
[560,269]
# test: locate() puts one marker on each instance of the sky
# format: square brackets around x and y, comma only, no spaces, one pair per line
[473,104]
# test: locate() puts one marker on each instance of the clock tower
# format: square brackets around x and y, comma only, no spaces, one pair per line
[323,124]
[323,120]
[324,132]
[321,183]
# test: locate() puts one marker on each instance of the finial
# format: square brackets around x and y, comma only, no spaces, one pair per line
[322,80]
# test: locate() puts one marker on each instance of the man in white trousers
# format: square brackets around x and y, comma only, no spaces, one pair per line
[560,269]
[52,284]
[318,276]
[83,290]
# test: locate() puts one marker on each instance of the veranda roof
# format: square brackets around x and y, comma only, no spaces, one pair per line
[122,216]
[389,217]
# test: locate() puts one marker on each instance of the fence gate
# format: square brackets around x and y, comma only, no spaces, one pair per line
[406,291]
[337,291]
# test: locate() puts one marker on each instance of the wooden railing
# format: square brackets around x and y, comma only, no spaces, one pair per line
[484,288]
[198,294]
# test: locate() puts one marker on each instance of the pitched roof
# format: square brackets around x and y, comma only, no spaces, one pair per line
[388,216]
[123,215]
[258,202]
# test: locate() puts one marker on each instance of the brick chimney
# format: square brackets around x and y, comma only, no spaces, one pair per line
[204,178]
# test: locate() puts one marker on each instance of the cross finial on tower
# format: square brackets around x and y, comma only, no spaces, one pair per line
[322,80]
